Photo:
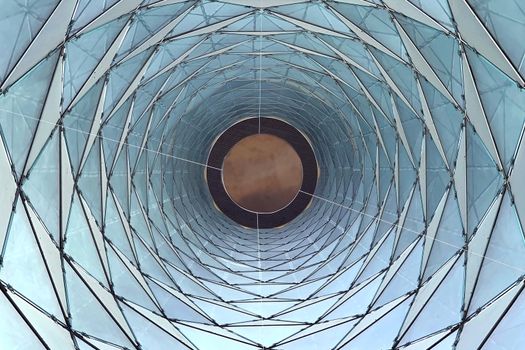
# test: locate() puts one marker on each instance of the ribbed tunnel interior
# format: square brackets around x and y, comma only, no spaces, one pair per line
[413,239]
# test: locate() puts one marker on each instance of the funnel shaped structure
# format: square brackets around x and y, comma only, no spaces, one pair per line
[413,238]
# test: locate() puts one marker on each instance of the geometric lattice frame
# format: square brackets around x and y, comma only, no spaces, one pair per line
[414,238]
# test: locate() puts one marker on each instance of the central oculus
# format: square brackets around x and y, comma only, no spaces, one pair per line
[262,173]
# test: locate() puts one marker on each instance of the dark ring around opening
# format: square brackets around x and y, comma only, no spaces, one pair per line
[243,129]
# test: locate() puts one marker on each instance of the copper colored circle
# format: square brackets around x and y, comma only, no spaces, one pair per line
[262,173]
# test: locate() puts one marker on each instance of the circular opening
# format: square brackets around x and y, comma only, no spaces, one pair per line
[262,173]
[268,183]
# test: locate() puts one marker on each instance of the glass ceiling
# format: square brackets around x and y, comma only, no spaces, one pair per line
[109,238]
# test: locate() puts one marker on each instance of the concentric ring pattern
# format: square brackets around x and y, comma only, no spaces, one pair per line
[109,238]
